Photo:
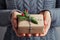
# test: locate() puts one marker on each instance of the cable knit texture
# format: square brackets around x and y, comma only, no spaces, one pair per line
[34,6]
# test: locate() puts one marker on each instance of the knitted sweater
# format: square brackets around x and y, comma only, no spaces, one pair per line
[35,6]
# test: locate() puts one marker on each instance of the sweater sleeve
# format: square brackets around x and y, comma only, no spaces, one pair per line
[55,15]
[5,17]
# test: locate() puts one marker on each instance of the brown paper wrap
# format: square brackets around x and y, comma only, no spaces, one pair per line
[26,27]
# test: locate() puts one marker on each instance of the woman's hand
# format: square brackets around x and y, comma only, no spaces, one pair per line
[14,21]
[47,22]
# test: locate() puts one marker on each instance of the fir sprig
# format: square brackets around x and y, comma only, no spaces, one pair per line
[25,16]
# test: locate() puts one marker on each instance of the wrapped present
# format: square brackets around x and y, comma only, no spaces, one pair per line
[31,26]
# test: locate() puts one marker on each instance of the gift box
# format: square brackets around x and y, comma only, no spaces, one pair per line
[29,27]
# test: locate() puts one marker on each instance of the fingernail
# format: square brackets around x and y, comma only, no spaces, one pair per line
[24,34]
[37,34]
[29,35]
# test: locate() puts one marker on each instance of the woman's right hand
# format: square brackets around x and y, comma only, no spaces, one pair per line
[14,21]
[14,24]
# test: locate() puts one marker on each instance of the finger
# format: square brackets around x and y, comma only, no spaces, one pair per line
[14,19]
[16,31]
[17,34]
[42,35]
[15,27]
[15,14]
[36,34]
[15,23]
[47,21]
[45,25]
[22,35]
[29,35]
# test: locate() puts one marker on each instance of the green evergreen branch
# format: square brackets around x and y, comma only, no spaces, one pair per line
[26,17]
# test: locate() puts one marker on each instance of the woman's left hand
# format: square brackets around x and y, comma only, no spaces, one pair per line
[47,22]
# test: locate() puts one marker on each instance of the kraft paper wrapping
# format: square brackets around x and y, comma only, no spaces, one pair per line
[29,27]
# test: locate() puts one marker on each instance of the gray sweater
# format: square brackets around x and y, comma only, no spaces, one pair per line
[34,6]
